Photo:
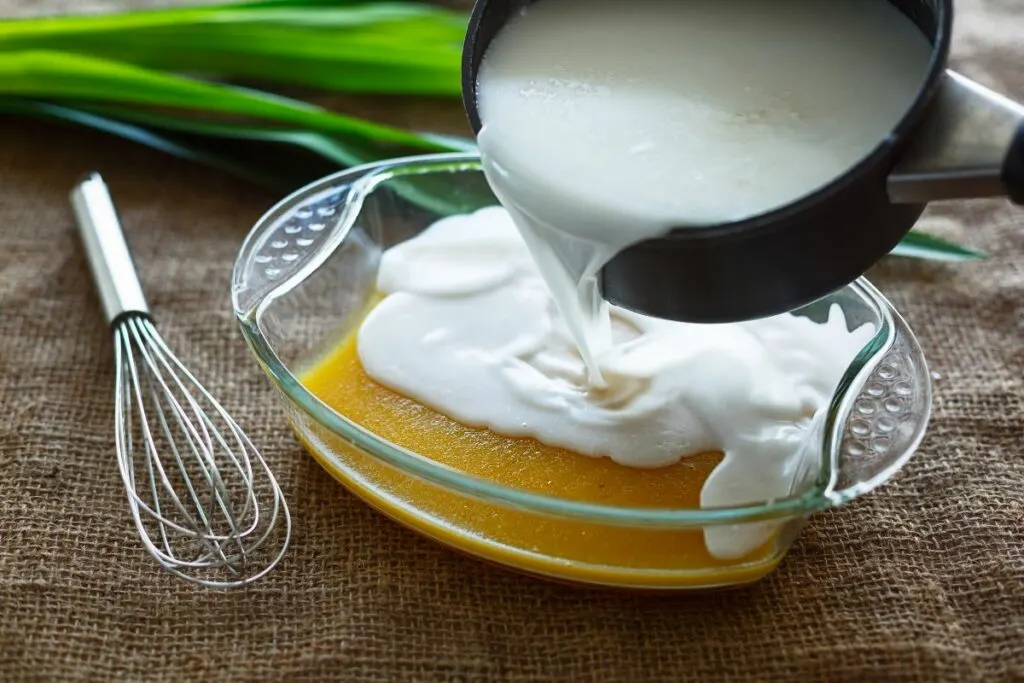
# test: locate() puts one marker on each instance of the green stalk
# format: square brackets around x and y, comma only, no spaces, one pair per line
[921,245]
[378,47]
[342,151]
[274,177]
[282,161]
[431,193]
[69,77]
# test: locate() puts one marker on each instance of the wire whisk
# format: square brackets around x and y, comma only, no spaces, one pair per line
[204,501]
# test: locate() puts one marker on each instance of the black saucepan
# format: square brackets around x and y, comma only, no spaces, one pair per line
[957,140]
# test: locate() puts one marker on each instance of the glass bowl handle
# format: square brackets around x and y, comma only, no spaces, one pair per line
[298,234]
[883,420]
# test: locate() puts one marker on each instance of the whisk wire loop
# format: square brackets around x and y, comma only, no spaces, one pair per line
[202,504]
[204,501]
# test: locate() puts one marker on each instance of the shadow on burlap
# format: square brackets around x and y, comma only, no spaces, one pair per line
[921,581]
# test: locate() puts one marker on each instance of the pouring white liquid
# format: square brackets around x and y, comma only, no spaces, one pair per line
[469,328]
[605,123]
[608,122]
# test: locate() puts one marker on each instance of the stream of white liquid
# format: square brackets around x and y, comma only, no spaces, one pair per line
[606,125]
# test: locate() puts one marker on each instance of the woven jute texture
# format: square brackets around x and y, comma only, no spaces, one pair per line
[921,581]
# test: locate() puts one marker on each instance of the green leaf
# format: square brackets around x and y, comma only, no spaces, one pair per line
[430,193]
[924,246]
[282,161]
[338,149]
[67,77]
[456,143]
[274,176]
[379,47]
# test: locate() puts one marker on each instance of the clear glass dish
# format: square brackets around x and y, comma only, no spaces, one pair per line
[306,275]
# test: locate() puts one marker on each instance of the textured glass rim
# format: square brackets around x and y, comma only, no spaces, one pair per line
[362,180]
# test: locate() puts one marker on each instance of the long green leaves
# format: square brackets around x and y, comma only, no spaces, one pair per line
[71,77]
[369,47]
[279,177]
[282,161]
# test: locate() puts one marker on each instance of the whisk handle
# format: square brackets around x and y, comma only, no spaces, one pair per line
[106,249]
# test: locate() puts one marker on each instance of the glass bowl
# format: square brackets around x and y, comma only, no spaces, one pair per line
[306,276]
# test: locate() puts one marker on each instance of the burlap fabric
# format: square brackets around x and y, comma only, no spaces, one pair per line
[921,581]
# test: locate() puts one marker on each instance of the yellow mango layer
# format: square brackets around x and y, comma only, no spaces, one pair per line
[559,548]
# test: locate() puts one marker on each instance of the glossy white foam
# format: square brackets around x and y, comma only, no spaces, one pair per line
[607,122]
[469,328]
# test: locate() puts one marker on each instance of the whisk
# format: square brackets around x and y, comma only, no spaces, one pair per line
[205,503]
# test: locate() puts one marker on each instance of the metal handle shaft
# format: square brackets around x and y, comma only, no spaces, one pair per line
[961,149]
[106,249]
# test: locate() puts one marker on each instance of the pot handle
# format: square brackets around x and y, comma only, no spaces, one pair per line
[1013,168]
[970,145]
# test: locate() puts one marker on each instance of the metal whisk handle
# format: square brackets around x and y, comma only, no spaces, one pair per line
[106,249]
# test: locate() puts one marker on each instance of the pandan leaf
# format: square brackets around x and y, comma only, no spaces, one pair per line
[368,47]
[921,245]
